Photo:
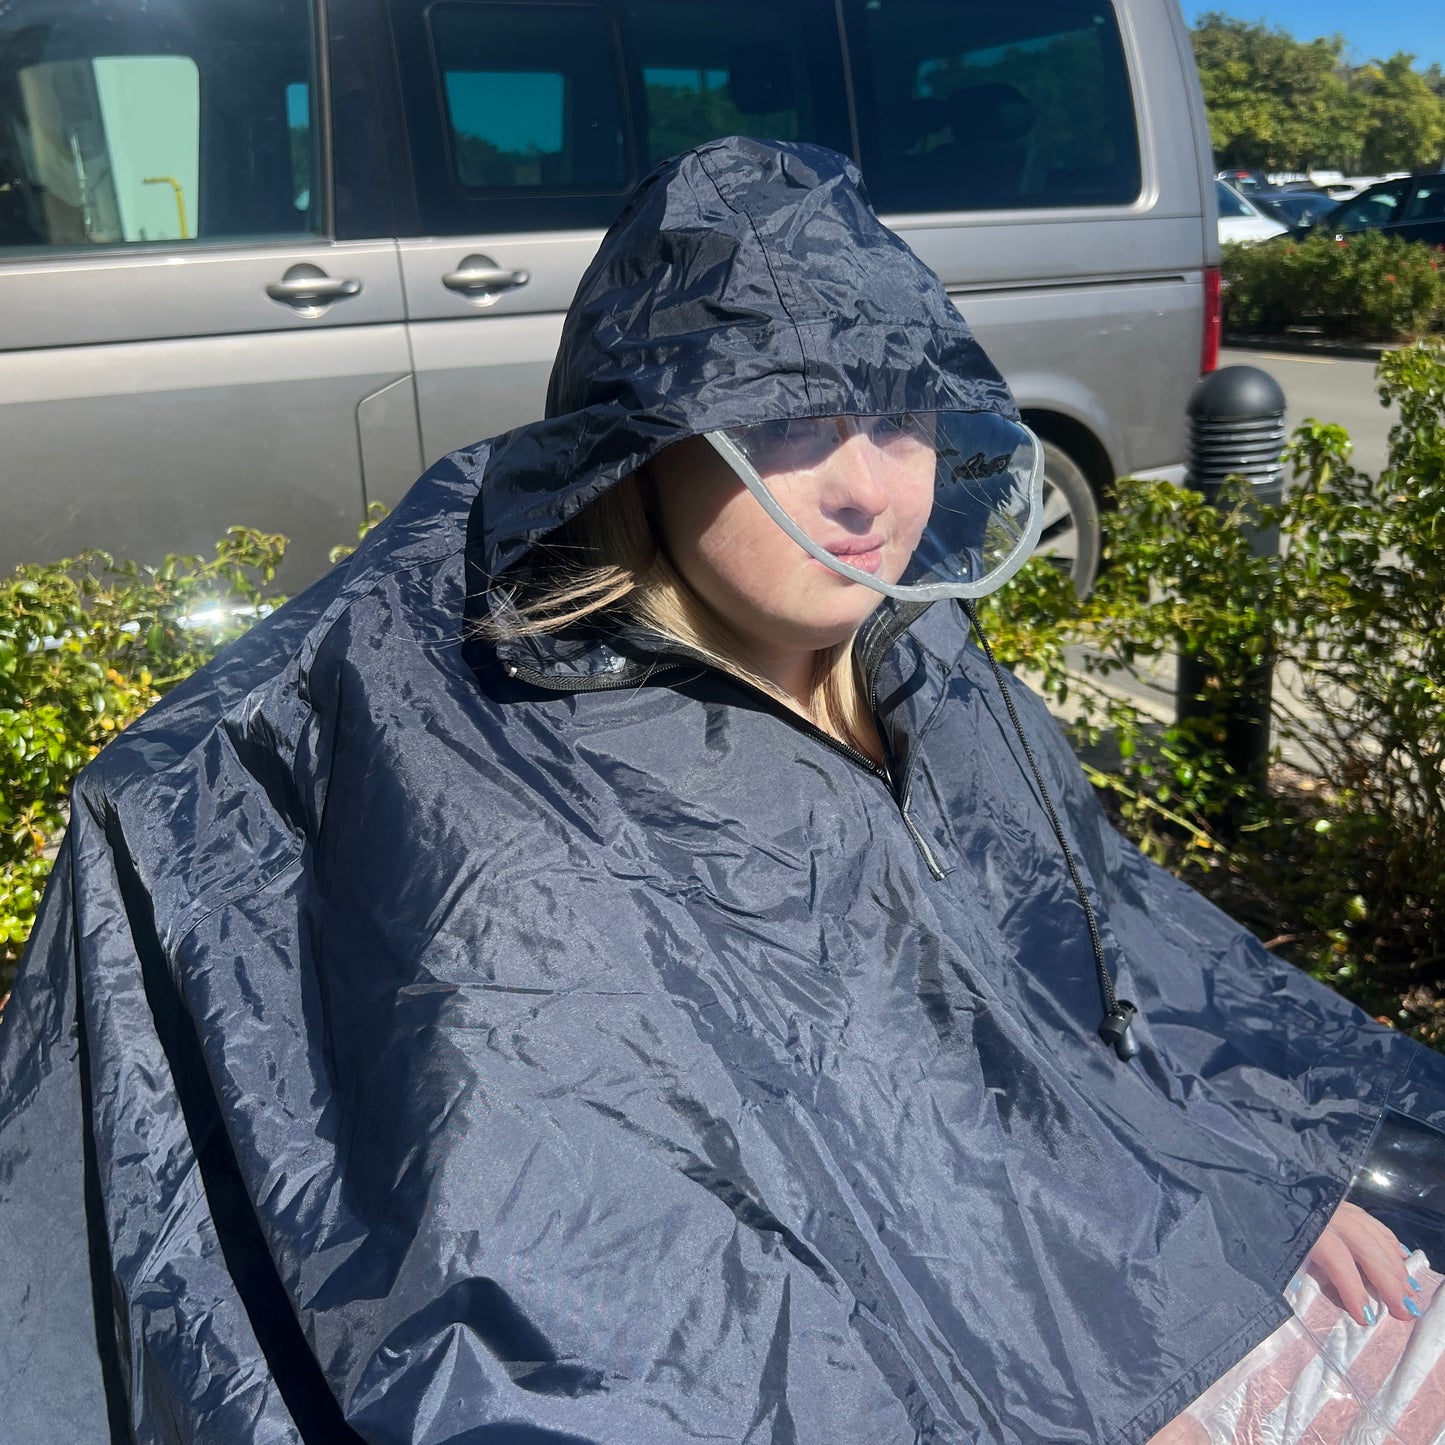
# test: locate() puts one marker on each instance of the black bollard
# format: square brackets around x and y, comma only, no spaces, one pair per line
[1236,429]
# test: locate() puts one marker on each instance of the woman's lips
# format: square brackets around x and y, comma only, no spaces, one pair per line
[864,553]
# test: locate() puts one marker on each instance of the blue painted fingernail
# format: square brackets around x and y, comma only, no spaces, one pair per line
[1294,1284]
[1407,1252]
[1413,1282]
[1412,1307]
[1370,1315]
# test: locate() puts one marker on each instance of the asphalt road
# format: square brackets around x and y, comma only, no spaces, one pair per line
[1328,388]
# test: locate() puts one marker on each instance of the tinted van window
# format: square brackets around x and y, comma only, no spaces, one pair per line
[134,125]
[532,102]
[970,105]
[737,67]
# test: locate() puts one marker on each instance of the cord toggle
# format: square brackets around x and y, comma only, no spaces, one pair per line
[1118,1029]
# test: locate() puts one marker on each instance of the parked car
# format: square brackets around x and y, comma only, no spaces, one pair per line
[262,263]
[1242,220]
[1411,207]
[1244,180]
[1297,210]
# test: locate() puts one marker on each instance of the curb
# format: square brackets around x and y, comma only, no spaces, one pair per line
[1314,346]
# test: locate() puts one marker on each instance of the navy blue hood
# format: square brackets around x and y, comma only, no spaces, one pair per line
[746,281]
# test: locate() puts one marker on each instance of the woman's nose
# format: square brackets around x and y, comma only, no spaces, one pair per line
[855,488]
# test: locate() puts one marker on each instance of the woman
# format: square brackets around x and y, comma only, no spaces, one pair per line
[607,965]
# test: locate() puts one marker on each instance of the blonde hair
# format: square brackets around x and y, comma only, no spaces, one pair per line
[607,561]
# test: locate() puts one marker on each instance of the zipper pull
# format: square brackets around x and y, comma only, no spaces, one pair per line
[1118,1029]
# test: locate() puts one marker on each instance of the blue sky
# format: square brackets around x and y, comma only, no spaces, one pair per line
[1371,29]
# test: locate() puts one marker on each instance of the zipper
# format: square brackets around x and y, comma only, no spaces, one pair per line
[871,659]
[676,658]
[934,866]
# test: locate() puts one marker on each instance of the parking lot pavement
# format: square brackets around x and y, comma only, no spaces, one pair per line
[1334,389]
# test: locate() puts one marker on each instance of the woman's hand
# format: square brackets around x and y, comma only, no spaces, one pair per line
[1361,1261]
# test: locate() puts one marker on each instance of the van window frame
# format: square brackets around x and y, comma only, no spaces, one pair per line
[441,207]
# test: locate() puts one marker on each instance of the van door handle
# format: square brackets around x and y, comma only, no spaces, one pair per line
[308,286]
[477,276]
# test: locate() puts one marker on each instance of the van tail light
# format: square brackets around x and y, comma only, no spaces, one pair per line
[1213,321]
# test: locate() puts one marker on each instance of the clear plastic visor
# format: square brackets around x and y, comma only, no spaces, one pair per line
[916,506]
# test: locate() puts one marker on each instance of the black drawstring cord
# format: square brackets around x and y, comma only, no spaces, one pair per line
[1117,1026]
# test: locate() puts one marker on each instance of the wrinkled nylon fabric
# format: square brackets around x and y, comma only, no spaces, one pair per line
[414,1051]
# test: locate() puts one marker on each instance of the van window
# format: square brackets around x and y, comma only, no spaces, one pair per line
[738,67]
[544,116]
[300,130]
[134,126]
[969,105]
[531,101]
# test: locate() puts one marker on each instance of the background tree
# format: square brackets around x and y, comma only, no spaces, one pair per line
[1407,115]
[1277,103]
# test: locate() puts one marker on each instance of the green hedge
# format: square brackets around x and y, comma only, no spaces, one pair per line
[1369,287]
[1353,862]
[86,645]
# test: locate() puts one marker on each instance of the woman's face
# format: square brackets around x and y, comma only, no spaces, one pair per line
[863,491]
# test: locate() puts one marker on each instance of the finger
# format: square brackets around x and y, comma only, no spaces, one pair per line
[1378,1258]
[1332,1261]
[1385,1275]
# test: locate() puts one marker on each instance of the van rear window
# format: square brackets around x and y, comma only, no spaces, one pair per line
[969,105]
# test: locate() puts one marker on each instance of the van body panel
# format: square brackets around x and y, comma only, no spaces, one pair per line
[1193,105]
[148,447]
[464,395]
[482,361]
[84,300]
[1085,352]
[388,441]
[147,402]
[978,251]
[554,265]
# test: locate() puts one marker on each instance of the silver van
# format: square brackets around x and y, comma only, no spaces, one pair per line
[263,260]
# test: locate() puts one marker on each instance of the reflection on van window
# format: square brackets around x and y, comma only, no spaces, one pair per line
[103,111]
[971,105]
[299,128]
[707,72]
[111,148]
[528,105]
[505,124]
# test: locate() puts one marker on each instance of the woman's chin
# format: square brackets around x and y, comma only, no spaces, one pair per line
[833,621]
